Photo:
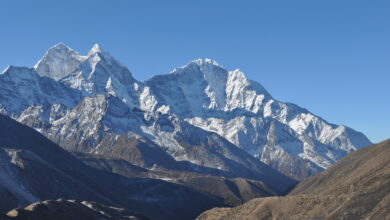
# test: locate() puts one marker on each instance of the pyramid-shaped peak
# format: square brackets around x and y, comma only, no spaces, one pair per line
[238,74]
[61,50]
[60,46]
[58,61]
[95,49]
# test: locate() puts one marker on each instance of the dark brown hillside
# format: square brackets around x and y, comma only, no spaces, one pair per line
[356,187]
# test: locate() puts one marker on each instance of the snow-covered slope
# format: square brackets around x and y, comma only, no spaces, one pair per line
[22,87]
[96,73]
[287,137]
[200,114]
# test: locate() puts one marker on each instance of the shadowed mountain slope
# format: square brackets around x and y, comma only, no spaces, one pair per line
[33,169]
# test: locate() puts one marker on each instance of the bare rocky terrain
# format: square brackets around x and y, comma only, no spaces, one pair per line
[70,209]
[356,187]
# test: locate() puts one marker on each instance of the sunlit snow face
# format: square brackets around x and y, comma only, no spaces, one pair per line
[89,96]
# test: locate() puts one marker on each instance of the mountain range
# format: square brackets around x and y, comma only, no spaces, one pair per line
[83,129]
[200,116]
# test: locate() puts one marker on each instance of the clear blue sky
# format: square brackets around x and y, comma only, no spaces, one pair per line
[329,56]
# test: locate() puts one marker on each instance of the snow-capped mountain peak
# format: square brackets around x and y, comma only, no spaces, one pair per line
[203,86]
[206,61]
[96,73]
[96,53]
[199,64]
[60,46]
[58,62]
[95,49]
[193,88]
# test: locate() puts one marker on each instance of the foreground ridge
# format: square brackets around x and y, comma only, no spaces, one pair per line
[356,187]
[69,209]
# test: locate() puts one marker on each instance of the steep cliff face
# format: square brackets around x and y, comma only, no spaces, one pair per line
[200,114]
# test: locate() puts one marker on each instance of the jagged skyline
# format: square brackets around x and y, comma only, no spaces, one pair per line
[324,54]
[199,97]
